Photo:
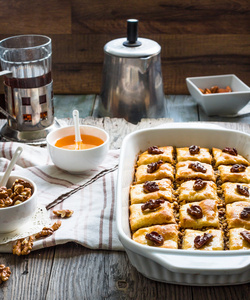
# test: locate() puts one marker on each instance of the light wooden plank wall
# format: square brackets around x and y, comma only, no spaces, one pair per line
[197,37]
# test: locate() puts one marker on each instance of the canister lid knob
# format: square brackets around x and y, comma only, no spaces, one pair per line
[132,34]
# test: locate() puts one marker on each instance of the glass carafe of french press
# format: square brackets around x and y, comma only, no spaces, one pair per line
[26,62]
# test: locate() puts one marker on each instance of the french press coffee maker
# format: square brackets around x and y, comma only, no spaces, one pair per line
[26,67]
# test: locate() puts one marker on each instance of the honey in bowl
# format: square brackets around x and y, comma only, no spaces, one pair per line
[88,142]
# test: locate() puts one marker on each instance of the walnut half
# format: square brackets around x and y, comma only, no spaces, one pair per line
[47,231]
[64,213]
[23,246]
[4,273]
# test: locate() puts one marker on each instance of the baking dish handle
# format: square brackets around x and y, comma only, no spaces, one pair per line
[204,264]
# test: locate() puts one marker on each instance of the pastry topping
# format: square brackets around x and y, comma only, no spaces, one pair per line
[23,246]
[64,213]
[194,149]
[155,237]
[197,167]
[150,186]
[155,150]
[245,214]
[243,190]
[154,166]
[237,168]
[231,151]
[200,241]
[246,235]
[46,231]
[199,184]
[4,273]
[195,211]
[152,204]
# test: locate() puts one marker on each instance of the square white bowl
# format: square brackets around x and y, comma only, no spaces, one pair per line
[219,103]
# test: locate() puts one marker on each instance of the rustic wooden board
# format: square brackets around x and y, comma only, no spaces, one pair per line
[197,37]
[176,17]
[36,17]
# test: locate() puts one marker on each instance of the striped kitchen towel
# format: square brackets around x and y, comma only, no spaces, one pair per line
[91,196]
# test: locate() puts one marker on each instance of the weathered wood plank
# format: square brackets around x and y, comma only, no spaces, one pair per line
[162,16]
[242,119]
[65,104]
[26,17]
[98,275]
[78,60]
[30,275]
[181,108]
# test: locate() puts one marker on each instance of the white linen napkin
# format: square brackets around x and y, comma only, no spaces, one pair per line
[91,196]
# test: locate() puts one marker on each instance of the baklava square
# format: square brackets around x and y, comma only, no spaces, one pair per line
[239,239]
[238,214]
[227,173]
[144,215]
[234,192]
[188,170]
[228,156]
[154,154]
[146,173]
[197,190]
[210,240]
[158,189]
[162,236]
[194,153]
[201,214]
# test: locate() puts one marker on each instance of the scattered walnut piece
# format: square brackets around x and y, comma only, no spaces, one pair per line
[4,273]
[47,231]
[56,225]
[64,213]
[23,246]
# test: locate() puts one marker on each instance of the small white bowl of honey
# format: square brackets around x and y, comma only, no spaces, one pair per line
[68,156]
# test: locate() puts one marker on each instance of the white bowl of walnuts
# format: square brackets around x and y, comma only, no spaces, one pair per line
[18,203]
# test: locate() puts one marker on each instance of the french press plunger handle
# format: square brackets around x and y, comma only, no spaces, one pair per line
[132,34]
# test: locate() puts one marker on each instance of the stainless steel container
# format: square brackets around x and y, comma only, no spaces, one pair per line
[132,86]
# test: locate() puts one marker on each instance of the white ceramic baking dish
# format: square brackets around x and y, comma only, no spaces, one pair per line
[179,266]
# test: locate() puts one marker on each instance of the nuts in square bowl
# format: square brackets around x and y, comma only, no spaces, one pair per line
[220,101]
[18,203]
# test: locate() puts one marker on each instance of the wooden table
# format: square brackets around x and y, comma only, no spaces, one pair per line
[71,271]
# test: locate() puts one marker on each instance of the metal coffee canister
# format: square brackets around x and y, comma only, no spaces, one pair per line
[132,86]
